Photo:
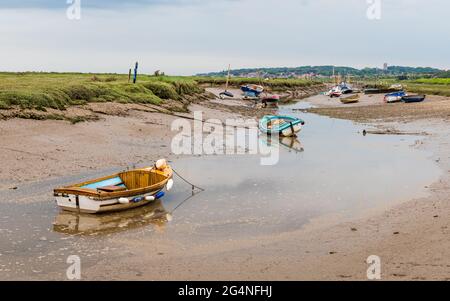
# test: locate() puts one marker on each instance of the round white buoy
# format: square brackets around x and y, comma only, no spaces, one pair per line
[169,184]
[149,198]
[124,201]
[161,164]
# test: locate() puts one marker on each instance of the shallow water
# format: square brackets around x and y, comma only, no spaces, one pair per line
[331,169]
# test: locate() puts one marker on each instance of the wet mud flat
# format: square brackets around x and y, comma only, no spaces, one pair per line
[331,171]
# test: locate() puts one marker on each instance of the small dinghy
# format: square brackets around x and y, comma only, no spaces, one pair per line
[227,94]
[394,97]
[122,191]
[350,99]
[413,98]
[335,94]
[255,89]
[282,125]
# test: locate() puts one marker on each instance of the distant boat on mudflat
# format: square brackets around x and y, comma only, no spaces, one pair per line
[350,99]
[253,89]
[413,98]
[379,90]
[394,97]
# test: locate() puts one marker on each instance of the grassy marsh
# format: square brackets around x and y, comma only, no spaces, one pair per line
[60,90]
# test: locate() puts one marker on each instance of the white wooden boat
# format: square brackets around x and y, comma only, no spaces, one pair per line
[117,192]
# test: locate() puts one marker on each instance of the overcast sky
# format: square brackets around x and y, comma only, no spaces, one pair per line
[193,36]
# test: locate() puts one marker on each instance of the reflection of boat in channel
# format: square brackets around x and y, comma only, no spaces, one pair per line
[292,143]
[87,224]
[289,143]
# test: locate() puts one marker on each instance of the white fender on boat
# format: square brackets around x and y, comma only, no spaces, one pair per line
[149,198]
[161,164]
[124,201]
[169,184]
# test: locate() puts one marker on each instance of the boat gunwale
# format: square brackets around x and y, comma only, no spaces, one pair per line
[77,189]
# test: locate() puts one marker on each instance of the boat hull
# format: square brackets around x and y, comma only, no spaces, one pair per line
[392,99]
[350,99]
[290,132]
[379,91]
[413,99]
[85,204]
[257,90]
[290,126]
[335,94]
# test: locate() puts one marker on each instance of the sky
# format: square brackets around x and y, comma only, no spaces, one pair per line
[184,37]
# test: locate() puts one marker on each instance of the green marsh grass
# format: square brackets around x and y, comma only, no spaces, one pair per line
[60,90]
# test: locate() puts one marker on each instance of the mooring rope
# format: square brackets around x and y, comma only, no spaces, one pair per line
[193,193]
[193,185]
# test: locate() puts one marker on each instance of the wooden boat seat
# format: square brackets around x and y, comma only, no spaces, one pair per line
[112,188]
[116,181]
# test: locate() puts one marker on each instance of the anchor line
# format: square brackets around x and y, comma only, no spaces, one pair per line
[193,193]
[193,185]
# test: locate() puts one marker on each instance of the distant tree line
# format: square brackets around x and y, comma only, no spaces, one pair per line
[328,71]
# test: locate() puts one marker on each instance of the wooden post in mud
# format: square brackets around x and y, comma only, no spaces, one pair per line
[135,72]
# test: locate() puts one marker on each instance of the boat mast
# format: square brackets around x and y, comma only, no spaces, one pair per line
[228,78]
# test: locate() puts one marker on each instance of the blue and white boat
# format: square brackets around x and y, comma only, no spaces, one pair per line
[281,125]
[394,97]
[252,89]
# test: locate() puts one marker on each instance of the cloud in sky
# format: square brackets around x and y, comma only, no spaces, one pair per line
[192,36]
[105,4]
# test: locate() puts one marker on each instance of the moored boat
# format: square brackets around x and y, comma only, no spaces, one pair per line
[117,192]
[335,94]
[226,93]
[339,90]
[379,90]
[394,97]
[282,125]
[413,98]
[255,89]
[350,99]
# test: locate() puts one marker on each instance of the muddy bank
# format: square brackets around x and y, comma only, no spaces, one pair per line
[286,94]
[373,108]
[124,136]
[411,238]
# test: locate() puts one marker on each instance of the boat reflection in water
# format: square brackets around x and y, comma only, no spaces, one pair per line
[73,223]
[292,144]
